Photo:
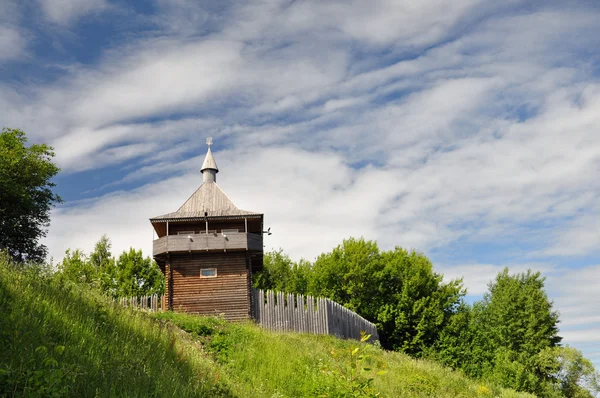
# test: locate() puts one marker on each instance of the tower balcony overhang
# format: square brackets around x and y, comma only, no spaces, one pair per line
[206,242]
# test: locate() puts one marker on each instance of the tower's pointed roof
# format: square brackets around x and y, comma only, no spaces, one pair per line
[209,162]
[209,200]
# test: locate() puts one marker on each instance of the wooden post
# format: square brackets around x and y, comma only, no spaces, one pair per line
[169,285]
[310,308]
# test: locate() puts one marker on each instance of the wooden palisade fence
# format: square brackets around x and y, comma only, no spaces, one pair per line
[288,312]
[306,314]
[150,303]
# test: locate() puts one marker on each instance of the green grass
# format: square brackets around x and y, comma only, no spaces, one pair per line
[259,363]
[60,339]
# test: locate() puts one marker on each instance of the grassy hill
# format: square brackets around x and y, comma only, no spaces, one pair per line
[60,339]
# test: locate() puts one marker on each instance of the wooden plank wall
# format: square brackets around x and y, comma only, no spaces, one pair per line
[306,314]
[226,294]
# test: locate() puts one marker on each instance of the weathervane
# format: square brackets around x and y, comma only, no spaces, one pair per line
[209,141]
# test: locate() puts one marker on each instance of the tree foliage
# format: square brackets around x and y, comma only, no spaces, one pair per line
[137,276]
[397,290]
[26,195]
[282,274]
[76,267]
[574,376]
[501,337]
[277,270]
[418,304]
[130,275]
[349,274]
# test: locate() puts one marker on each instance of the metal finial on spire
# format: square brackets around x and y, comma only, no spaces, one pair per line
[209,141]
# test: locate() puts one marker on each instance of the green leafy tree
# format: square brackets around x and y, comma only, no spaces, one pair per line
[131,275]
[138,276]
[416,305]
[518,315]
[350,275]
[397,290]
[76,267]
[513,323]
[103,261]
[101,257]
[300,277]
[454,344]
[276,273]
[26,195]
[573,374]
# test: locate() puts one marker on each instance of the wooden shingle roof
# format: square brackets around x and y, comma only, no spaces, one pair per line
[208,201]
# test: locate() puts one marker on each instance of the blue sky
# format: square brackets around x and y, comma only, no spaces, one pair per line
[466,129]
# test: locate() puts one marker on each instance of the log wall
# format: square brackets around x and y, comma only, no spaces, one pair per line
[227,294]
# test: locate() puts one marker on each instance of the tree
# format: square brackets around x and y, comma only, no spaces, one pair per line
[26,195]
[282,274]
[574,376]
[300,277]
[276,272]
[103,261]
[416,305]
[510,327]
[397,290]
[138,276]
[101,257]
[131,275]
[76,267]
[453,346]
[518,313]
[349,275]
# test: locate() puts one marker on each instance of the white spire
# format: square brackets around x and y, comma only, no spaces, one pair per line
[209,167]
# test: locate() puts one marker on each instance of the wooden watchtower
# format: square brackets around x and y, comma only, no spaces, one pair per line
[208,251]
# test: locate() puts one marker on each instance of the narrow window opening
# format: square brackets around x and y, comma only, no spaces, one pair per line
[208,273]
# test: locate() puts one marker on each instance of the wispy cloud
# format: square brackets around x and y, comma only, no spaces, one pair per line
[12,43]
[13,37]
[64,12]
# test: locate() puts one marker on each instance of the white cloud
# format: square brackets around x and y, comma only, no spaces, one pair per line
[579,237]
[64,12]
[14,38]
[12,43]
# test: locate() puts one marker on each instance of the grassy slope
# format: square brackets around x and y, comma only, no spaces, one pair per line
[57,339]
[257,363]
